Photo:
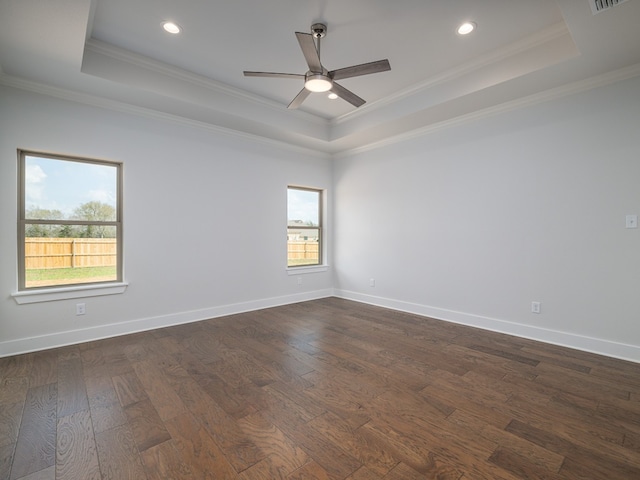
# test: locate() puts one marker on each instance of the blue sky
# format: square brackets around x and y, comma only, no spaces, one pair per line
[53,184]
[303,205]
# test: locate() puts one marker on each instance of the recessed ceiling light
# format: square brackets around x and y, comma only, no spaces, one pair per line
[171,27]
[332,96]
[466,28]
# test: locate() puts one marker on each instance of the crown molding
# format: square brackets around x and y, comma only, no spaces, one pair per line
[550,34]
[161,68]
[123,107]
[530,100]
[322,149]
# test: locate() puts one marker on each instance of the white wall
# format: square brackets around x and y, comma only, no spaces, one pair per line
[473,223]
[468,224]
[204,220]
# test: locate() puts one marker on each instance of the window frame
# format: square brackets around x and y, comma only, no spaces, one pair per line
[319,227]
[23,222]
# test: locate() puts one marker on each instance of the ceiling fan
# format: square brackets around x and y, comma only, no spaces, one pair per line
[318,78]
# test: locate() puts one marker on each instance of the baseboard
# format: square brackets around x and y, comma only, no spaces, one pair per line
[72,337]
[569,340]
[564,339]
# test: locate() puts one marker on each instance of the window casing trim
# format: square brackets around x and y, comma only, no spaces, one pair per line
[320,228]
[304,269]
[23,222]
[51,294]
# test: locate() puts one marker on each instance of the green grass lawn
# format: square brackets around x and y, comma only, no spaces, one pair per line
[59,276]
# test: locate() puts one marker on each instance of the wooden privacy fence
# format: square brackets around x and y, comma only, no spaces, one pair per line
[44,252]
[302,250]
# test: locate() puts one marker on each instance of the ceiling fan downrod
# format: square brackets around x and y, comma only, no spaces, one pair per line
[318,30]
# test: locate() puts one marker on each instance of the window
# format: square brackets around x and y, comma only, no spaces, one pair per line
[304,227]
[70,221]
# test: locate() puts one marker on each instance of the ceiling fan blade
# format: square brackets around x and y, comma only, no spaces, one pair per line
[272,74]
[296,102]
[358,70]
[308,46]
[347,95]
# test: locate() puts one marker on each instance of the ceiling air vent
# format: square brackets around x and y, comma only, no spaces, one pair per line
[598,6]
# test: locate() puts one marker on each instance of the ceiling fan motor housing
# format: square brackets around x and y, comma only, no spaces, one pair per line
[318,30]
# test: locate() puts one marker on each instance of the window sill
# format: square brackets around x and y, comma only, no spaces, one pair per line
[65,293]
[304,270]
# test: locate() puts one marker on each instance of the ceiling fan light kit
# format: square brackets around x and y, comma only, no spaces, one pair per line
[318,78]
[317,82]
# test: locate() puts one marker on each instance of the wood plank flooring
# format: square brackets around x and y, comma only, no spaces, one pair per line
[327,389]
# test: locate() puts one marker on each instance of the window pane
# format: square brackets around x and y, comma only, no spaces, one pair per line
[304,227]
[69,254]
[303,246]
[303,207]
[64,190]
[70,231]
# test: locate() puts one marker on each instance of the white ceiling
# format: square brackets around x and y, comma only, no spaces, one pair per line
[115,53]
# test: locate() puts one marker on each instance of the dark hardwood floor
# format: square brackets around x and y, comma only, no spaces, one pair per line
[327,389]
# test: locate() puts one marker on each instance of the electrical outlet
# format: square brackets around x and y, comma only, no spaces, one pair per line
[299,280]
[535,307]
[372,282]
[81,308]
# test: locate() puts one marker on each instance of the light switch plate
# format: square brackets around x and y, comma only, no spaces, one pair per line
[632,221]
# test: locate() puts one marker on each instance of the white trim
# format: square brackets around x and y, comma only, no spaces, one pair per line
[573,88]
[161,68]
[547,35]
[70,337]
[65,293]
[123,107]
[323,149]
[564,339]
[305,270]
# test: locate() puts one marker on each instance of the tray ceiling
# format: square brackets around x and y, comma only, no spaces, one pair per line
[116,51]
